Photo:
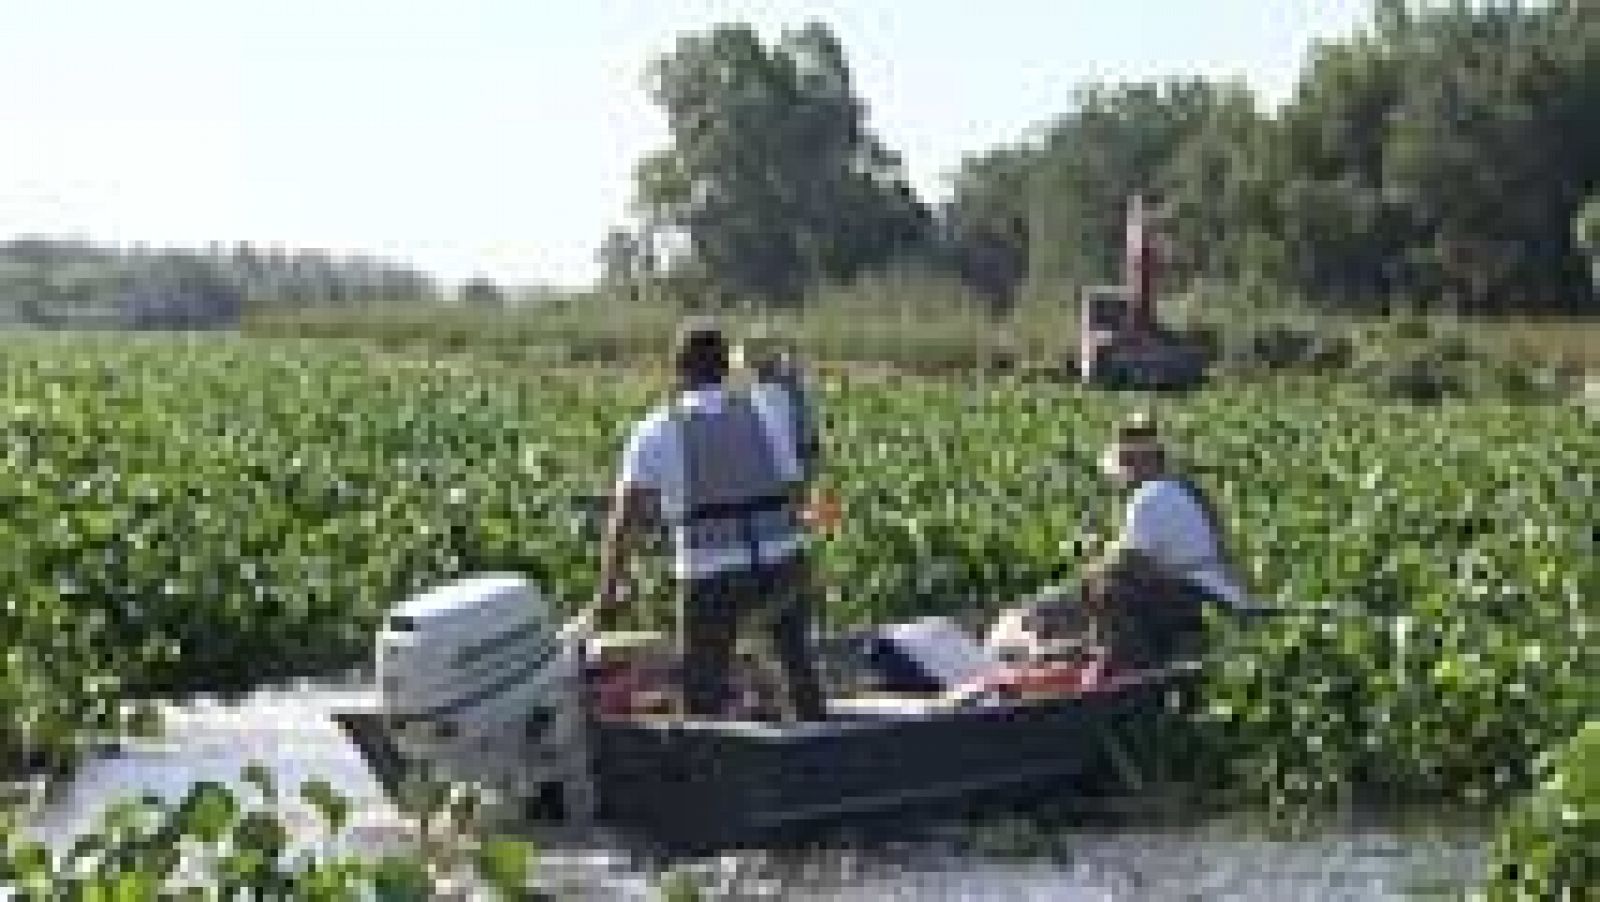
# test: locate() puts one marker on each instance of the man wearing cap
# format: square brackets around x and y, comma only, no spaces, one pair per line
[724,477]
[1149,589]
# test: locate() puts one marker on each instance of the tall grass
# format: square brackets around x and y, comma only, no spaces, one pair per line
[903,321]
[911,322]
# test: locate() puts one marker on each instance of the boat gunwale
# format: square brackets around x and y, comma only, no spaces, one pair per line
[1113,690]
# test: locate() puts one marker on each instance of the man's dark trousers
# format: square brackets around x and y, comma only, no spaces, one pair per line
[713,609]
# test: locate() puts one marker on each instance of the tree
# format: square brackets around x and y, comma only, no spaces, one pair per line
[1441,154]
[622,262]
[1445,152]
[987,224]
[1221,187]
[772,174]
[1116,142]
[481,291]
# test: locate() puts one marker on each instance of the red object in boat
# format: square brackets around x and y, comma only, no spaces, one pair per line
[625,690]
[613,691]
[1048,680]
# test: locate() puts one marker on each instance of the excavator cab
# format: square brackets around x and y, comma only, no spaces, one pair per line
[1121,343]
[1104,308]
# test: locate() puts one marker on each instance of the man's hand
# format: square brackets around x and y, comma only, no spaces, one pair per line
[822,511]
[608,600]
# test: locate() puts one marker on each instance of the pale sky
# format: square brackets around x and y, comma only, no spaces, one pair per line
[499,136]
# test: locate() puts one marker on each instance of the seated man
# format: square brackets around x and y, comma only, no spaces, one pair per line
[1142,600]
[1146,594]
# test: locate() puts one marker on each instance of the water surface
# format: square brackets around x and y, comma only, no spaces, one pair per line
[1091,857]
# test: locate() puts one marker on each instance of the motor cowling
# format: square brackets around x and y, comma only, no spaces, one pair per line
[479,685]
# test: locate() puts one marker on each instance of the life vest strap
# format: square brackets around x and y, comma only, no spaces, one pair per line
[728,510]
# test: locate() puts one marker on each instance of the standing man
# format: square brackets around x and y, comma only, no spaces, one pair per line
[778,388]
[726,480]
[1170,561]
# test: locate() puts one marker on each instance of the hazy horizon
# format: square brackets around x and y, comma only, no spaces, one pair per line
[498,138]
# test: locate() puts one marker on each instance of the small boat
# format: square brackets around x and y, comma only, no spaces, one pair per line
[708,785]
[474,686]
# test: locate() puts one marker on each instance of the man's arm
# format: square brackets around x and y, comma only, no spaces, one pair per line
[628,503]
[637,479]
[1143,524]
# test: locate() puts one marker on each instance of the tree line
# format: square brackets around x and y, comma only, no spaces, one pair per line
[50,282]
[1442,157]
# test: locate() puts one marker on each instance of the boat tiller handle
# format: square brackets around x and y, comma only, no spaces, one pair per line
[581,627]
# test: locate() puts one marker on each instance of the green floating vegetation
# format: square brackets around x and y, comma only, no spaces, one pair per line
[205,514]
[1549,847]
[221,843]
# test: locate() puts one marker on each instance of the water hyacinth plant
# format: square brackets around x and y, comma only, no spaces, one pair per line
[184,514]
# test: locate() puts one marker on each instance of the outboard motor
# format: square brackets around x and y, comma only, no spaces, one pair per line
[479,685]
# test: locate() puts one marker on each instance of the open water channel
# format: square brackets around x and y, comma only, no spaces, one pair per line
[1005,857]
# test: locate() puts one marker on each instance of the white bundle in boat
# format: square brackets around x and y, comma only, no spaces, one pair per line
[946,652]
[929,655]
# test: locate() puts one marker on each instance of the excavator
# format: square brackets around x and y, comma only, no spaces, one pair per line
[1121,342]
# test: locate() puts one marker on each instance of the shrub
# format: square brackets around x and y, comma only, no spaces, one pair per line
[1549,847]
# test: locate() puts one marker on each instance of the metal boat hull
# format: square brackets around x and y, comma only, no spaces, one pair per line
[703,786]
